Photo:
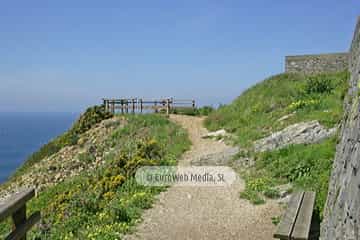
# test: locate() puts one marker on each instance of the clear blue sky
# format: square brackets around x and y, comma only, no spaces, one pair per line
[66,55]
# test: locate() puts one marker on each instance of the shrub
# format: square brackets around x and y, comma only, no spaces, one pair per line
[321,83]
[86,157]
[87,120]
[258,184]
[205,110]
[252,196]
[272,193]
[303,104]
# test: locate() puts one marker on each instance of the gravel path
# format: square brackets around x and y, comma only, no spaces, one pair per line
[205,212]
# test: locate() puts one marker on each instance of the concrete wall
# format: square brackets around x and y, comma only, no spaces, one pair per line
[342,211]
[309,64]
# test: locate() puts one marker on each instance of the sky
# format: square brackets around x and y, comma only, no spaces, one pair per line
[62,56]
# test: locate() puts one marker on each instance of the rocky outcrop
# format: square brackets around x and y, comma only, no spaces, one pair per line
[299,133]
[87,154]
[342,211]
[217,134]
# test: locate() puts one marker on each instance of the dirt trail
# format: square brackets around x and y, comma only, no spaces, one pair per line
[205,212]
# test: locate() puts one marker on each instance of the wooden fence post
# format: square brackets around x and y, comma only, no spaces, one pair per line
[104,104]
[19,217]
[15,206]
[112,106]
[133,105]
[167,106]
[122,106]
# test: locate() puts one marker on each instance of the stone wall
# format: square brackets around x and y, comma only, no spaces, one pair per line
[309,64]
[342,211]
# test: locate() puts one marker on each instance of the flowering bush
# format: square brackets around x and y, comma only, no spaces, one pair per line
[105,202]
[303,104]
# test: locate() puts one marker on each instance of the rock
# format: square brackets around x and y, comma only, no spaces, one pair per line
[111,122]
[58,177]
[299,133]
[283,118]
[219,133]
[284,189]
[81,141]
[243,162]
[284,200]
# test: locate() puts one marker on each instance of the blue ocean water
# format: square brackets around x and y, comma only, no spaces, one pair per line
[23,133]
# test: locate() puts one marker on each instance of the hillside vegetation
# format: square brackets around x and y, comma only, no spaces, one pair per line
[87,120]
[271,106]
[104,202]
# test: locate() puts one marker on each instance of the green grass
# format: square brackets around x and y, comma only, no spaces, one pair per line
[107,202]
[201,111]
[256,113]
[305,166]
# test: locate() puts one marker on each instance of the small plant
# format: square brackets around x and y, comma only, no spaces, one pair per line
[205,110]
[272,193]
[319,84]
[303,104]
[252,196]
[86,157]
[258,184]
[275,220]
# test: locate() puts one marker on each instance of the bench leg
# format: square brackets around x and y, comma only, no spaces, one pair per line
[19,217]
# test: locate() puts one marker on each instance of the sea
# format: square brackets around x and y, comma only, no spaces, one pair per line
[21,134]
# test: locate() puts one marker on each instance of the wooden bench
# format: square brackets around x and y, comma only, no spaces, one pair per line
[296,222]
[15,206]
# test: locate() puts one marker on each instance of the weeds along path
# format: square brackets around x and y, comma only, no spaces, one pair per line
[205,212]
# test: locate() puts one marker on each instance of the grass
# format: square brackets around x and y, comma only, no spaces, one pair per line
[305,166]
[201,111]
[255,114]
[106,203]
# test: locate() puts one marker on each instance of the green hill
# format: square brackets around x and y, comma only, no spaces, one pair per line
[85,177]
[272,105]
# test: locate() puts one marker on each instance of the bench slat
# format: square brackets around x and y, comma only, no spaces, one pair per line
[303,221]
[15,202]
[21,231]
[288,220]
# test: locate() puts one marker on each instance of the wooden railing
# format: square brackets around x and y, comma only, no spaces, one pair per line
[139,105]
[15,207]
